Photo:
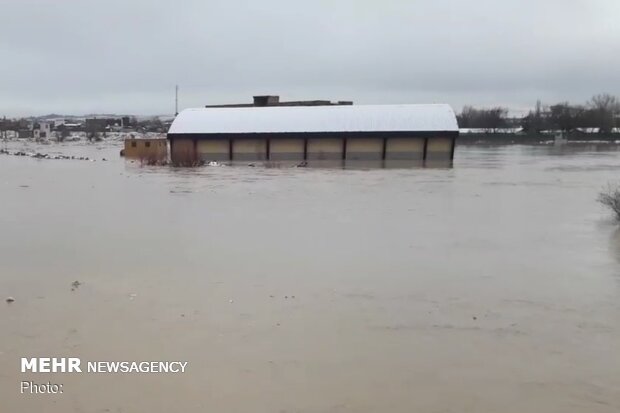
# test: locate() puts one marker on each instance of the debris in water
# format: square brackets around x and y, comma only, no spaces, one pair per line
[132,296]
[10,300]
[75,285]
[39,155]
[231,301]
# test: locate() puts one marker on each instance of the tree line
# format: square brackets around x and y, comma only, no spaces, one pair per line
[601,112]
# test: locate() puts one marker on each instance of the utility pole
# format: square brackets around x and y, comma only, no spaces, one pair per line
[176,100]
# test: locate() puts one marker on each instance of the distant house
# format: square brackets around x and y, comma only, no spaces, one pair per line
[56,123]
[74,126]
[126,122]
[42,130]
[96,124]
[104,124]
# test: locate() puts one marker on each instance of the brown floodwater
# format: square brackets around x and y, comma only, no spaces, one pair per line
[492,286]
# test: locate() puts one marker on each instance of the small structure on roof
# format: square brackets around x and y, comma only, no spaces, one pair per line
[408,133]
[274,100]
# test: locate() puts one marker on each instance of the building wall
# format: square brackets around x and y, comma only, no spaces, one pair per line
[360,149]
[286,149]
[151,149]
[183,152]
[404,149]
[214,150]
[391,151]
[325,149]
[439,149]
[249,149]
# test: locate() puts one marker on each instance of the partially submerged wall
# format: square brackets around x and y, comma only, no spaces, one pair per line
[151,150]
[396,151]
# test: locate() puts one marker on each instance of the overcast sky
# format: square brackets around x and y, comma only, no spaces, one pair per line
[125,56]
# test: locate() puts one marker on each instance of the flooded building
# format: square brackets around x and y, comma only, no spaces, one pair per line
[146,149]
[396,134]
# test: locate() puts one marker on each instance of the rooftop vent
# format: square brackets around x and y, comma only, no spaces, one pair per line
[267,100]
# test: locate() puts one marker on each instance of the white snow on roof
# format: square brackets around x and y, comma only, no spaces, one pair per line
[354,118]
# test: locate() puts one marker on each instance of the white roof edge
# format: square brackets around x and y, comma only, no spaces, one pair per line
[299,119]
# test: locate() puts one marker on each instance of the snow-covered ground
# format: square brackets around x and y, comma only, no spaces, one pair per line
[81,136]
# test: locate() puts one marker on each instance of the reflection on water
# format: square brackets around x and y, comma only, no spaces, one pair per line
[489,286]
[348,164]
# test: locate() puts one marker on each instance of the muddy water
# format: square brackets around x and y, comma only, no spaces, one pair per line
[493,286]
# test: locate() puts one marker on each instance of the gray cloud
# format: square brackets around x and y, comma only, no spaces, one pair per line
[81,56]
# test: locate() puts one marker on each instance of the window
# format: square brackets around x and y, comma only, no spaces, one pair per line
[147,144]
[133,144]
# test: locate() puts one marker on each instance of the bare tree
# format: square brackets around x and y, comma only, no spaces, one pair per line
[495,118]
[605,108]
[490,119]
[566,117]
[610,197]
[536,120]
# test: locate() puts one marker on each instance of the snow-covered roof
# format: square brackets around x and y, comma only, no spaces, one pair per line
[589,130]
[299,119]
